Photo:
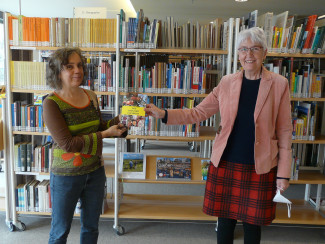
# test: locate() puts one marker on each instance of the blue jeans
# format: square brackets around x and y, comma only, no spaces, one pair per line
[65,192]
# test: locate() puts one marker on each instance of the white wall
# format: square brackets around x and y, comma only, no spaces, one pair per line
[62,8]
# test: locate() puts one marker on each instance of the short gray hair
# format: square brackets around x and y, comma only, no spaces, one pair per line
[256,35]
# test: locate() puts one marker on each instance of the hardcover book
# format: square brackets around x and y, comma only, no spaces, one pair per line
[173,168]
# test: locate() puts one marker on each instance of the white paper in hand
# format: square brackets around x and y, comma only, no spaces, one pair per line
[281,199]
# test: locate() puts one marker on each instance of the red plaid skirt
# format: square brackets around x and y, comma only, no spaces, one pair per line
[235,191]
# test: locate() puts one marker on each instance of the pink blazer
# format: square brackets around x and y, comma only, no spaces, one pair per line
[272,116]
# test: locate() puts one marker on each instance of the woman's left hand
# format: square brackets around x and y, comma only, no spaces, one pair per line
[282,184]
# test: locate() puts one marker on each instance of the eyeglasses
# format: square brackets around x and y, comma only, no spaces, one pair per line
[244,50]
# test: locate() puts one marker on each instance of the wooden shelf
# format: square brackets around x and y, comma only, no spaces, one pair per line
[31,91]
[318,140]
[138,206]
[34,213]
[108,214]
[85,49]
[309,177]
[305,177]
[49,91]
[308,99]
[301,213]
[162,207]
[184,207]
[31,133]
[295,55]
[177,51]
[133,50]
[151,173]
[168,94]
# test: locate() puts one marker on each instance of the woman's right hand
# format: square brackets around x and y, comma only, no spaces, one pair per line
[153,111]
[114,131]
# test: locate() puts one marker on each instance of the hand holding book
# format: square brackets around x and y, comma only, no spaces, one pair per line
[115,131]
[152,110]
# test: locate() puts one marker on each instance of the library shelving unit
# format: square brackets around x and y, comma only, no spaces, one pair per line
[28,53]
[173,207]
[157,206]
[117,211]
[306,211]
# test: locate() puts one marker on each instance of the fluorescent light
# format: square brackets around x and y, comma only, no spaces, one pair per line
[241,1]
[320,17]
[131,7]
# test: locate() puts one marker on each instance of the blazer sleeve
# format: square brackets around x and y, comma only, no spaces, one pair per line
[208,107]
[284,134]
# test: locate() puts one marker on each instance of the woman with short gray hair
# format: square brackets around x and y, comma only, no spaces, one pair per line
[251,154]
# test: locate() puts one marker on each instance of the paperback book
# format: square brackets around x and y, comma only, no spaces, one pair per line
[204,168]
[133,165]
[133,114]
[173,168]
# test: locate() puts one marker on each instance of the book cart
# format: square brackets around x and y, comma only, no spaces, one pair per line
[159,206]
[6,169]
[30,53]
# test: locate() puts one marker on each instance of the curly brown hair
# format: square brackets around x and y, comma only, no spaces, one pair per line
[56,63]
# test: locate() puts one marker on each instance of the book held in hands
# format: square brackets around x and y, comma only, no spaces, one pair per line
[133,114]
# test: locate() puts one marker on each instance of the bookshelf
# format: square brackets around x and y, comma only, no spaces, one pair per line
[178,207]
[15,92]
[184,207]
[307,175]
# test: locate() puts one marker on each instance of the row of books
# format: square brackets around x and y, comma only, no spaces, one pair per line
[61,32]
[30,158]
[106,102]
[28,75]
[150,126]
[34,196]
[305,120]
[289,33]
[303,155]
[187,77]
[140,33]
[32,75]
[304,82]
[27,117]
[137,32]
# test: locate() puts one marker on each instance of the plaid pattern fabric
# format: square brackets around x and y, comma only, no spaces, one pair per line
[235,191]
